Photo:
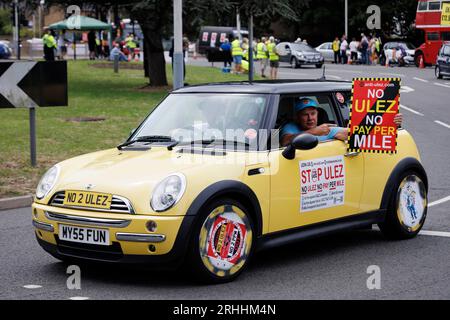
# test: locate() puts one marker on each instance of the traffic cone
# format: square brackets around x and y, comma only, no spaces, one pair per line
[421,64]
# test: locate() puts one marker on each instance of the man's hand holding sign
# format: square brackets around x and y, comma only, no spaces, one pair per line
[374,115]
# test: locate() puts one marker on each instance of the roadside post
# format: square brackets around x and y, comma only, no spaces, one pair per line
[178,57]
[116,63]
[250,49]
[33,84]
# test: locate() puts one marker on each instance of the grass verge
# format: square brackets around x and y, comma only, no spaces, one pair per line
[93,92]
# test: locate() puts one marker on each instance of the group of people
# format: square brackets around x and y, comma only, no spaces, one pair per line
[55,46]
[264,52]
[368,46]
[127,49]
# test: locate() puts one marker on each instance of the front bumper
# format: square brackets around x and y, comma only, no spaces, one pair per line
[304,61]
[130,241]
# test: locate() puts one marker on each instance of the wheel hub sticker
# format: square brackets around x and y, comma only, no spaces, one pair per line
[412,202]
[225,242]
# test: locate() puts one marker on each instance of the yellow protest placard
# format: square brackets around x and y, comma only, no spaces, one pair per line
[445,16]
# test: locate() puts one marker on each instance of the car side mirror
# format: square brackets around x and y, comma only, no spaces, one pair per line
[303,141]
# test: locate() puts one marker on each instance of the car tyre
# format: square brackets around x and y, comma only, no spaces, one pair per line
[437,72]
[222,242]
[294,63]
[407,208]
[318,66]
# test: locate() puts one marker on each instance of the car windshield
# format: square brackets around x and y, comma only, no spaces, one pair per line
[207,119]
[302,47]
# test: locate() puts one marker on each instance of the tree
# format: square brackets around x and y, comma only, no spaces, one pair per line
[152,15]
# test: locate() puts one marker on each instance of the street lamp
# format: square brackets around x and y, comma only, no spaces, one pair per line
[40,8]
[346,18]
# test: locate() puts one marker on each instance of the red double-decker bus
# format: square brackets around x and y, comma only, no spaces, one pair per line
[429,19]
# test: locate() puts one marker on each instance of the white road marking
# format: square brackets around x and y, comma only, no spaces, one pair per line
[406,89]
[435,233]
[332,77]
[434,203]
[347,71]
[442,124]
[79,298]
[32,286]
[442,85]
[411,110]
[419,79]
[392,74]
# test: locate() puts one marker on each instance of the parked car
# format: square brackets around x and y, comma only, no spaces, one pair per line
[388,49]
[179,194]
[299,54]
[5,50]
[443,61]
[326,49]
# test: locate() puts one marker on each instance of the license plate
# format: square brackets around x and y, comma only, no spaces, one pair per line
[87,199]
[84,235]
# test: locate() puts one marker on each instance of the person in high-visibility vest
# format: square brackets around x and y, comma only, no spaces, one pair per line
[274,58]
[245,47]
[131,45]
[49,45]
[237,53]
[336,50]
[378,47]
[261,55]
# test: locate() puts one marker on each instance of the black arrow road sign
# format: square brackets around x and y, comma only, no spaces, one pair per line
[33,84]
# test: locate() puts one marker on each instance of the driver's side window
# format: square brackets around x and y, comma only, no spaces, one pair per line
[288,116]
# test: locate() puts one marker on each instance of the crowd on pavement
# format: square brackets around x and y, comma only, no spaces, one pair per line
[127,49]
[368,46]
[264,53]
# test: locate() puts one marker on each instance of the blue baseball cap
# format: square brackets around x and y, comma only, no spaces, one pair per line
[304,103]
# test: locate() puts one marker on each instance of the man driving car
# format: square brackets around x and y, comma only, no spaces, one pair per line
[306,122]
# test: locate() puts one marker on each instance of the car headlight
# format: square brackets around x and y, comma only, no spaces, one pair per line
[168,192]
[47,182]
[299,54]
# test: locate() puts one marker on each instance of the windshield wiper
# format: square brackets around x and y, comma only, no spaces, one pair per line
[154,138]
[203,142]
[223,142]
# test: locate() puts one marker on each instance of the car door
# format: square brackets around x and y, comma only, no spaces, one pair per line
[327,51]
[284,51]
[445,59]
[318,185]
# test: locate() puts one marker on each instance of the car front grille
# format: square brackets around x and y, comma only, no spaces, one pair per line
[90,251]
[118,204]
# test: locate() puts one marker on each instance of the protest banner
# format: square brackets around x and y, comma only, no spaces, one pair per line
[375,102]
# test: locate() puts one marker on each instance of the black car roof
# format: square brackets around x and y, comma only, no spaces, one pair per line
[269,87]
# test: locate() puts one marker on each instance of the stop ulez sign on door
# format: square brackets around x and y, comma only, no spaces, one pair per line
[375,102]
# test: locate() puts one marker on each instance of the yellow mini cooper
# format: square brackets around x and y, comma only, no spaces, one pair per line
[206,180]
